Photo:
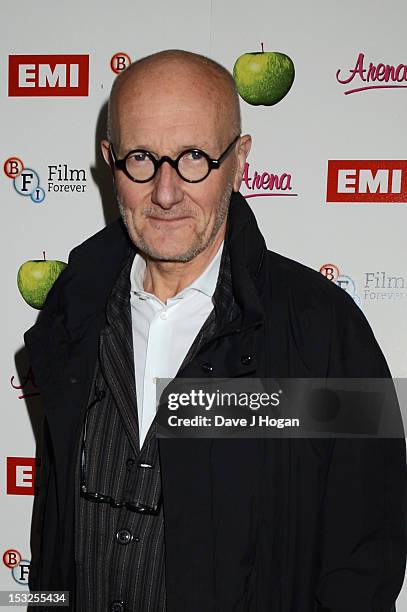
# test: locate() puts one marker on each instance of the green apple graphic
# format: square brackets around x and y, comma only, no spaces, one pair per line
[36,277]
[264,77]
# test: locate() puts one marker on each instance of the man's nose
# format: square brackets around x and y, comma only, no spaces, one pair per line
[167,189]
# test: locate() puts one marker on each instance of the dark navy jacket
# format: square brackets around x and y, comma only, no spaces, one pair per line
[251,525]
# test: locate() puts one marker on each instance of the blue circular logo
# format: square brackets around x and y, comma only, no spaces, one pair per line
[38,195]
[27,182]
[20,572]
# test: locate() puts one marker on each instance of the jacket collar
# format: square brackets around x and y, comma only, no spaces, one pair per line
[245,247]
[95,265]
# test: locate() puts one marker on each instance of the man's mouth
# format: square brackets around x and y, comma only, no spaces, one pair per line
[168,219]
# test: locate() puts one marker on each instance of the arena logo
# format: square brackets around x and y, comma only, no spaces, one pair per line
[48,75]
[20,568]
[27,387]
[380,76]
[60,179]
[119,62]
[20,475]
[367,181]
[267,183]
[332,273]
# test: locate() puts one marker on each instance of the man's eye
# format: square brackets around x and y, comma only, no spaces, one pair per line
[139,157]
[194,155]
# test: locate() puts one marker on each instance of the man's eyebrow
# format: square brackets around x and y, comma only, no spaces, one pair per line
[201,145]
[184,147]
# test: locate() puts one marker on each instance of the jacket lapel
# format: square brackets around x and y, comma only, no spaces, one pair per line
[116,354]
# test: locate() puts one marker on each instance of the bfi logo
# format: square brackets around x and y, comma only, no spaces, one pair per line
[20,568]
[332,273]
[119,62]
[48,75]
[20,475]
[367,181]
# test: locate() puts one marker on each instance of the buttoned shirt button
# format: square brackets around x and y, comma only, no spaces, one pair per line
[124,536]
[163,315]
[129,463]
[207,367]
[73,380]
[100,394]
[117,606]
[246,359]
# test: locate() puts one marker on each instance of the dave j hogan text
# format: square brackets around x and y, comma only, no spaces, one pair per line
[256,420]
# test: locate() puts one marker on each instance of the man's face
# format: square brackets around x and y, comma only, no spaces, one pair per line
[168,218]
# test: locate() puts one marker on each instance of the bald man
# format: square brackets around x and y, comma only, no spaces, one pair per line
[183,286]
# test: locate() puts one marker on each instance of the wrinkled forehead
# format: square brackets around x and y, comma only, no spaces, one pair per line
[176,103]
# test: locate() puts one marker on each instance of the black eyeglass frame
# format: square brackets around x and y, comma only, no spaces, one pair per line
[101,497]
[213,164]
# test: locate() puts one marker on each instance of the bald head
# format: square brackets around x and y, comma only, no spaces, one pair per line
[172,115]
[175,73]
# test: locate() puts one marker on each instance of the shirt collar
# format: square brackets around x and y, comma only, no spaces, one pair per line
[205,283]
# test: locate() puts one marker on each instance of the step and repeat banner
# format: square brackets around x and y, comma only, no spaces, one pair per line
[323,89]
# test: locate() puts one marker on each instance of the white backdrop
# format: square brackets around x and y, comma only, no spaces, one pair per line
[315,123]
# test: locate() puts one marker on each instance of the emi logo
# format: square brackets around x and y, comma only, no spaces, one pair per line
[367,181]
[48,75]
[20,475]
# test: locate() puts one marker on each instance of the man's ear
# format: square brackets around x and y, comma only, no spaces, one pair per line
[105,148]
[243,150]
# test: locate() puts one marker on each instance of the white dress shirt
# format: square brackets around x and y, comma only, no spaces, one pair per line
[163,333]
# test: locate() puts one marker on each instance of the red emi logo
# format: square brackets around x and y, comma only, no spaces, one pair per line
[367,180]
[20,475]
[48,75]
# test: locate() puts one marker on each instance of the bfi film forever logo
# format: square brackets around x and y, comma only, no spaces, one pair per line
[61,178]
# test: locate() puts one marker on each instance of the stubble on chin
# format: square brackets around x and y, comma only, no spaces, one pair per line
[201,240]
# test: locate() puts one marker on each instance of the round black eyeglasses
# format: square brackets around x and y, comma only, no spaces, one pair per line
[101,497]
[192,165]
